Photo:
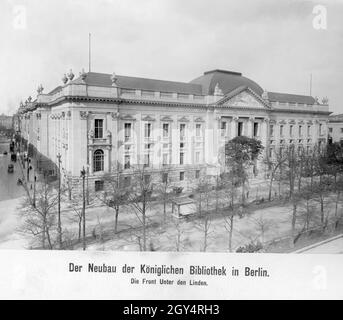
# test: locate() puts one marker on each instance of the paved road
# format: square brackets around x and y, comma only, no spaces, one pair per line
[8,181]
[335,246]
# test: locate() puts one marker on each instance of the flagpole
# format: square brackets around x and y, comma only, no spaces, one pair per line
[311,84]
[89,52]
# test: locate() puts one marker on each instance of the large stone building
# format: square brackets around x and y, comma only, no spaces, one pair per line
[107,122]
[6,121]
[336,128]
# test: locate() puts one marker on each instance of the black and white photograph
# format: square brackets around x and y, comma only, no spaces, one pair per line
[171,126]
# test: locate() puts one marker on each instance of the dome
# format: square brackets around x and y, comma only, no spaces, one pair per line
[227,81]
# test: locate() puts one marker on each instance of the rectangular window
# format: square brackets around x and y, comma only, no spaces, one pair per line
[182,157]
[198,129]
[182,130]
[197,157]
[146,160]
[127,131]
[165,130]
[281,130]
[240,129]
[320,129]
[330,130]
[165,159]
[98,128]
[271,130]
[308,130]
[182,175]
[270,152]
[164,177]
[300,131]
[223,128]
[255,129]
[197,174]
[147,130]
[182,145]
[127,162]
[99,185]
[291,130]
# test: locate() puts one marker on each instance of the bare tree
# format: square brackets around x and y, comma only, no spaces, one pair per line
[39,221]
[164,189]
[204,225]
[291,172]
[203,197]
[274,165]
[263,225]
[115,196]
[230,182]
[140,199]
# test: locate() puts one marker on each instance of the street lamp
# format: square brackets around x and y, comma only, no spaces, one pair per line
[83,176]
[34,191]
[28,168]
[59,227]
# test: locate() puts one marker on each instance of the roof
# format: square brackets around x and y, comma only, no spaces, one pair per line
[227,81]
[291,98]
[58,88]
[336,117]
[182,201]
[104,80]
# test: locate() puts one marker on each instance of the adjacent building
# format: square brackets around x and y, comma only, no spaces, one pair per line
[110,123]
[6,122]
[336,128]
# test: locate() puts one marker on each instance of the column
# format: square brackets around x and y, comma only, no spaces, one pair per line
[234,122]
[208,150]
[250,129]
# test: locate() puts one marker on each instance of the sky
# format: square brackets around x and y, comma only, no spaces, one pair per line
[271,42]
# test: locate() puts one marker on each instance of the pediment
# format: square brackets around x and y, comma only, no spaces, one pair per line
[127,117]
[148,118]
[183,119]
[245,98]
[166,118]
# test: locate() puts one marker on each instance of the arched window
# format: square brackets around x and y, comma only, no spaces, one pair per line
[98,160]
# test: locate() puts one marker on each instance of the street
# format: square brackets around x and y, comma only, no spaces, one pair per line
[328,247]
[8,181]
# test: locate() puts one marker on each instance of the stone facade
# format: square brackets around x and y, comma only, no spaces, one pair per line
[6,121]
[336,128]
[105,122]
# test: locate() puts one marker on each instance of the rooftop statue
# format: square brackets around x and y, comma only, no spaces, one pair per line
[265,95]
[40,89]
[218,91]
[325,100]
[83,75]
[114,79]
[71,75]
[65,79]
